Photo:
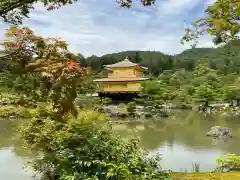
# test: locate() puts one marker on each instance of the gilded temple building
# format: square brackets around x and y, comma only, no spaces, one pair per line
[124,79]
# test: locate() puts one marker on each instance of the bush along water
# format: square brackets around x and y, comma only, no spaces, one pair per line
[230,163]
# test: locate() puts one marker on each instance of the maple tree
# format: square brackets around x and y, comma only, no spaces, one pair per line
[47,58]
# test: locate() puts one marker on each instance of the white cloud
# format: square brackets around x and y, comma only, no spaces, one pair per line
[99,27]
[209,2]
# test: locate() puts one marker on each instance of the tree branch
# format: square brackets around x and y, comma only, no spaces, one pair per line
[2,57]
[14,5]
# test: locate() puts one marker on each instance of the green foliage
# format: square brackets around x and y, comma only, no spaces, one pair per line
[183,98]
[122,108]
[229,163]
[68,144]
[131,107]
[231,93]
[221,22]
[50,77]
[155,93]
[178,78]
[166,76]
[85,148]
[205,93]
[86,102]
[106,100]
[6,109]
[121,105]
[86,85]
[224,59]
[182,88]
[202,70]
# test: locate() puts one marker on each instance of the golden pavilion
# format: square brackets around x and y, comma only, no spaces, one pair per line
[123,77]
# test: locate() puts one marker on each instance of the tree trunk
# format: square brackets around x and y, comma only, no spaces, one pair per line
[206,104]
[238,102]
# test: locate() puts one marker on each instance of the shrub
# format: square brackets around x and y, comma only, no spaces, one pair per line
[230,163]
[84,102]
[85,148]
[131,107]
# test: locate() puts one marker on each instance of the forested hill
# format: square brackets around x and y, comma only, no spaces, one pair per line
[225,59]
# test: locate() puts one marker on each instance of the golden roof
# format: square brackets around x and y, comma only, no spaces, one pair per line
[125,63]
[120,79]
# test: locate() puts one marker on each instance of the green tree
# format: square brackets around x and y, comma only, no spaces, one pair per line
[229,163]
[131,107]
[205,75]
[137,58]
[155,93]
[202,70]
[180,78]
[231,93]
[46,59]
[81,59]
[168,63]
[165,76]
[221,22]
[183,98]
[86,85]
[205,93]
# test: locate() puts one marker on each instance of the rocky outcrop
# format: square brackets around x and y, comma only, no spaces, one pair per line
[219,131]
[115,112]
[163,113]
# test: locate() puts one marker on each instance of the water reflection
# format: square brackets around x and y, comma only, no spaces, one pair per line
[11,161]
[11,166]
[179,157]
[182,139]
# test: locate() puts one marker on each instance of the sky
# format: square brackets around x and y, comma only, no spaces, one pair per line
[95,27]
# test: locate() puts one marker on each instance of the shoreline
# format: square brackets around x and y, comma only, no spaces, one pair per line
[205,176]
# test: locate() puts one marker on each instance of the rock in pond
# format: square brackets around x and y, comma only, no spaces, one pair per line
[116,113]
[219,131]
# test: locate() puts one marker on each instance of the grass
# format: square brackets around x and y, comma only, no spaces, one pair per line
[206,176]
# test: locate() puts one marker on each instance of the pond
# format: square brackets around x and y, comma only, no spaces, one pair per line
[11,155]
[180,140]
